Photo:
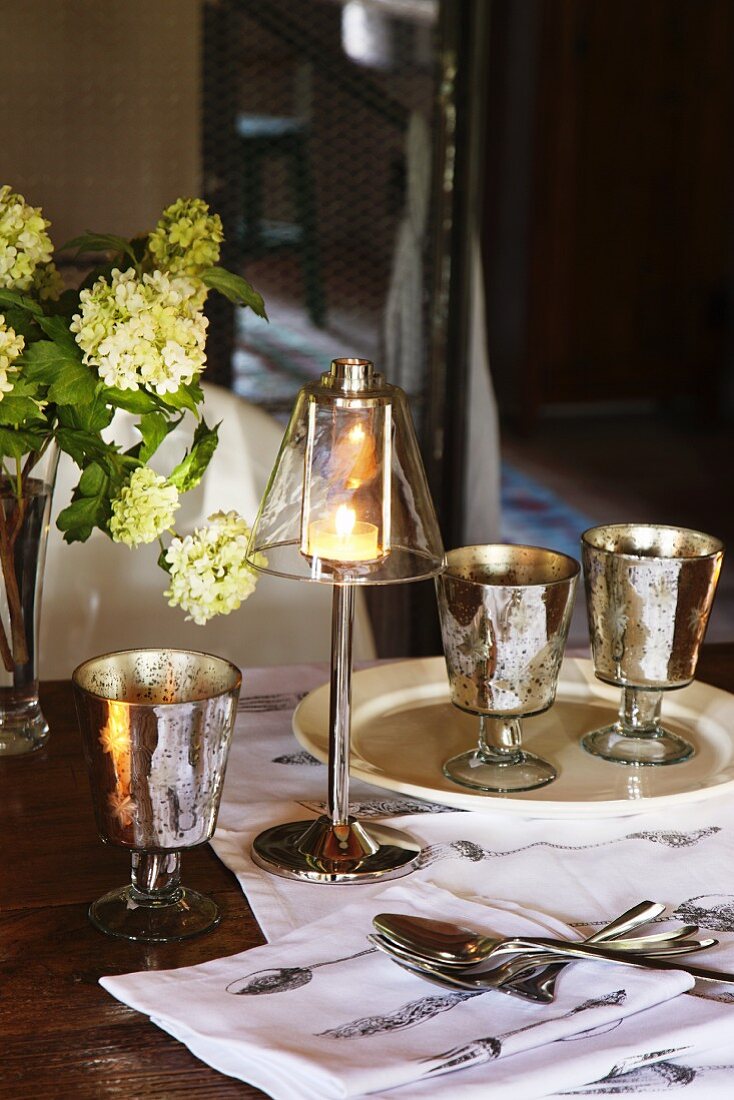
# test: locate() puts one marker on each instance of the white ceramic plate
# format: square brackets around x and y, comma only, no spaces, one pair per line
[404,727]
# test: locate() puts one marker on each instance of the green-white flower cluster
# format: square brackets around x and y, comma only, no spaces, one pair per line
[186,240]
[136,324]
[147,330]
[209,573]
[11,345]
[24,242]
[144,509]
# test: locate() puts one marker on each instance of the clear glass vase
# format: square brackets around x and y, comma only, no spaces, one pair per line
[26,489]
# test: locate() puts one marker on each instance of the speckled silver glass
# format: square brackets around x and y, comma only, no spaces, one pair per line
[156,727]
[505,613]
[649,591]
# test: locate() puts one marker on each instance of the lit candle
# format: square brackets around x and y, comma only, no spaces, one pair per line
[343,538]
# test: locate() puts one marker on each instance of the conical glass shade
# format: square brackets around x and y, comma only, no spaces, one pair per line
[347,501]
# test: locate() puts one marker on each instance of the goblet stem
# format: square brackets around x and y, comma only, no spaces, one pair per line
[639,712]
[155,877]
[499,762]
[504,740]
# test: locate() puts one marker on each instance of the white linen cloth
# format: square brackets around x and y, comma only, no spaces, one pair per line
[321,1014]
[580,872]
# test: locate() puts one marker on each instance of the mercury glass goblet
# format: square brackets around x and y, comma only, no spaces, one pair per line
[156,727]
[649,591]
[505,613]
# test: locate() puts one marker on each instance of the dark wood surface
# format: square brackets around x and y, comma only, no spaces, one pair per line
[62,1034]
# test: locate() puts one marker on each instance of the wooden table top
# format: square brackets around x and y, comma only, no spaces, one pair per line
[62,1034]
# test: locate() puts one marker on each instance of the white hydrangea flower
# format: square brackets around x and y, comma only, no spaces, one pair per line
[145,331]
[209,573]
[47,282]
[11,345]
[187,238]
[144,509]
[24,242]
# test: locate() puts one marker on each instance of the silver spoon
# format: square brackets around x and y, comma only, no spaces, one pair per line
[494,979]
[489,946]
[539,984]
[656,951]
[451,944]
[674,944]
[503,978]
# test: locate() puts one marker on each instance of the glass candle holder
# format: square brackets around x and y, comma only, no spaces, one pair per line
[649,591]
[156,727]
[505,612]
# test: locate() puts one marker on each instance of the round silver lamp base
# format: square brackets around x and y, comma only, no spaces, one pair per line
[618,745]
[319,851]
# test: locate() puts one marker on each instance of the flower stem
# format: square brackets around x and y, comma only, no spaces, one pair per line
[19,654]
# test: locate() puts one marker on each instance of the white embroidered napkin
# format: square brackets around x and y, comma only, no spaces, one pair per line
[321,1014]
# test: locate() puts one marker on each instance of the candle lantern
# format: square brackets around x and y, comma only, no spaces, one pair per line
[347,504]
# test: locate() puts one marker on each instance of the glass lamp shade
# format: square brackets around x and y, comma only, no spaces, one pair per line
[347,501]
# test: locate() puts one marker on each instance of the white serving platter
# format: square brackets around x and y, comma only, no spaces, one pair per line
[404,727]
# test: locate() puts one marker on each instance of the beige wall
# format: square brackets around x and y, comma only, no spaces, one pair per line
[100,109]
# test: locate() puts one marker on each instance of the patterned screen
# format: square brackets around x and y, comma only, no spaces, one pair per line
[317,149]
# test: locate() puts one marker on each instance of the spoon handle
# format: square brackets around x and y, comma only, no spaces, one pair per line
[642,913]
[597,951]
[541,984]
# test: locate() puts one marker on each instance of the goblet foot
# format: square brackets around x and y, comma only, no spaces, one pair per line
[320,851]
[622,746]
[500,773]
[129,915]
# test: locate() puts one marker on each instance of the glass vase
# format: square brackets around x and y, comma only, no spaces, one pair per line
[26,489]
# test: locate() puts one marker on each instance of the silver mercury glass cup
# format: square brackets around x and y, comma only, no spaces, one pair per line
[505,613]
[649,591]
[156,727]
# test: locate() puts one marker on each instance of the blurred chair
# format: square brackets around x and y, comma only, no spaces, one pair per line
[100,596]
[262,138]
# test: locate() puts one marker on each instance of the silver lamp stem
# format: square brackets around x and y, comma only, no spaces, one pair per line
[340,701]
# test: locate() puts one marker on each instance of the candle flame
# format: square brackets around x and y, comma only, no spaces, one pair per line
[344,521]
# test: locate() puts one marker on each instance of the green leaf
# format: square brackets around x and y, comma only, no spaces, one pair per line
[21,321]
[16,409]
[134,401]
[93,482]
[76,386]
[44,361]
[17,442]
[65,305]
[92,417]
[190,471]
[79,519]
[234,287]
[183,398]
[84,446]
[59,367]
[100,242]
[22,301]
[154,427]
[57,329]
